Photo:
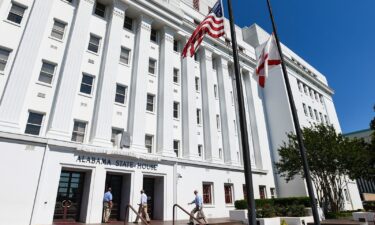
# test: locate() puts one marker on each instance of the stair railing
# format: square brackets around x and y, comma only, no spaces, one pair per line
[135,211]
[185,211]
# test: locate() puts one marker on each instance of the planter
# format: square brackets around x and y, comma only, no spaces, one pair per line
[297,220]
[320,212]
[368,216]
[268,221]
[238,215]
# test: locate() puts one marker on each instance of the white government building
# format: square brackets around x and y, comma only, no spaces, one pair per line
[95,94]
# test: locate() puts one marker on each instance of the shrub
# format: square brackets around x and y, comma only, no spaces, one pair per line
[240,204]
[267,211]
[369,205]
[339,215]
[293,201]
[296,211]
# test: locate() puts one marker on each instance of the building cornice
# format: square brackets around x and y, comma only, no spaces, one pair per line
[92,149]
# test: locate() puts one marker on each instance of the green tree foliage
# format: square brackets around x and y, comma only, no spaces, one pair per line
[332,158]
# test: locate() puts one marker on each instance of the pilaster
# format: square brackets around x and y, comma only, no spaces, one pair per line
[209,107]
[226,113]
[102,120]
[189,119]
[17,86]
[165,96]
[62,108]
[138,89]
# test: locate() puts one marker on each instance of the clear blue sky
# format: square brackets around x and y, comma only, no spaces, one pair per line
[337,37]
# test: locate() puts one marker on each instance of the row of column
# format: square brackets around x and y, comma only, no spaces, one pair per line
[59,125]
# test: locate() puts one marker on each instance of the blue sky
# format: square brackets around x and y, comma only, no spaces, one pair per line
[337,37]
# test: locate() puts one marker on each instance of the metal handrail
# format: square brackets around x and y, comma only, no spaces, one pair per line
[135,211]
[185,211]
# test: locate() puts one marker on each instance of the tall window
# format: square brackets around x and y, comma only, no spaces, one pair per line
[128,23]
[306,89]
[176,147]
[100,9]
[124,56]
[94,43]
[16,13]
[200,150]
[150,103]
[86,84]
[175,45]
[149,143]
[316,115]
[218,122]
[316,96]
[228,191]
[273,192]
[58,29]
[199,117]
[305,109]
[262,192]
[321,98]
[235,126]
[115,136]
[244,191]
[207,193]
[47,72]
[214,63]
[299,85]
[312,93]
[196,4]
[321,117]
[4,55]
[311,113]
[34,123]
[326,119]
[79,130]
[197,86]
[215,91]
[120,94]
[151,66]
[176,110]
[220,153]
[154,35]
[176,75]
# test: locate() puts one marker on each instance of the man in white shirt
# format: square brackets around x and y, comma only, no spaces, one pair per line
[142,210]
[198,202]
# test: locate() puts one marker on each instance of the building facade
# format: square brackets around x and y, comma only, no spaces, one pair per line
[94,94]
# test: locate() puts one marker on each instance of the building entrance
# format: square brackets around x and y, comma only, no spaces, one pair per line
[154,189]
[69,196]
[115,182]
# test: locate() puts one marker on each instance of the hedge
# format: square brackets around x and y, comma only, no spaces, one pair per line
[281,202]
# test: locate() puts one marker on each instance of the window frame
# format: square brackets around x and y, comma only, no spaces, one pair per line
[17,4]
[55,20]
[218,122]
[150,67]
[176,45]
[91,44]
[176,112]
[199,117]
[200,150]
[231,193]
[197,84]
[114,133]
[176,150]
[154,34]
[92,85]
[40,126]
[9,51]
[76,132]
[46,73]
[121,55]
[176,74]
[210,193]
[125,23]
[121,94]
[150,148]
[264,189]
[216,93]
[149,103]
[100,10]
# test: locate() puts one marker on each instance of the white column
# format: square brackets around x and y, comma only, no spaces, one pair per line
[70,74]
[165,96]
[189,110]
[226,110]
[16,88]
[138,88]
[209,107]
[102,120]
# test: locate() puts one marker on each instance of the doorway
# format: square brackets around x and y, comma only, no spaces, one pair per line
[154,189]
[120,185]
[69,196]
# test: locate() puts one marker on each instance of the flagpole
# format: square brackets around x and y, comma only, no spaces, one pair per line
[296,124]
[243,124]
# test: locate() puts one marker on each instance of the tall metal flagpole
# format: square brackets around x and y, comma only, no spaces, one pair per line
[296,124]
[242,122]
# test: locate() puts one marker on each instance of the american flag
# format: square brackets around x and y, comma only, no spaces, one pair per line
[213,25]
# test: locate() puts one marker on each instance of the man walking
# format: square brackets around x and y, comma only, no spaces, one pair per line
[198,201]
[107,205]
[142,210]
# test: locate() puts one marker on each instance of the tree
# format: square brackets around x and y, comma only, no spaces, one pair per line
[332,158]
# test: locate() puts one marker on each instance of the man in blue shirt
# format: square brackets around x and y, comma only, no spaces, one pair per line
[107,205]
[198,201]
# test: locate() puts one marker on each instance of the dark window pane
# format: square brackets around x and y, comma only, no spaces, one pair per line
[32,129]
